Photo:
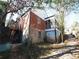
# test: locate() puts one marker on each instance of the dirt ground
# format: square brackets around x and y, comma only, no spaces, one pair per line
[46,51]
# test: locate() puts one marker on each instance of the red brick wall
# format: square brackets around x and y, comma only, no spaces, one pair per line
[36,22]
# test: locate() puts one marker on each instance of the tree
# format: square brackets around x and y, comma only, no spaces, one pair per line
[2,11]
[39,2]
[2,6]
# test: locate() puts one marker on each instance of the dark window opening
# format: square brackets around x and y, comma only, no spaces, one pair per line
[48,24]
[39,34]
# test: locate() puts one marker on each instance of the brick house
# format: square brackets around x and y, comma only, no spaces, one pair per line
[34,26]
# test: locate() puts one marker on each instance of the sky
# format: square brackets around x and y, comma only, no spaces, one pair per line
[3,0]
[70,19]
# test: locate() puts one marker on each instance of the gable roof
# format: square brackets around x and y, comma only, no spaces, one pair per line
[44,13]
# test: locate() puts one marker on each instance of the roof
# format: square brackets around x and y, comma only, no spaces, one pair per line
[43,13]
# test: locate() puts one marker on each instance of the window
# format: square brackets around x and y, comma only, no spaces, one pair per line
[48,24]
[39,34]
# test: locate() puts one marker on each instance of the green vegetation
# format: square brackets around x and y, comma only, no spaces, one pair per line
[2,6]
[3,9]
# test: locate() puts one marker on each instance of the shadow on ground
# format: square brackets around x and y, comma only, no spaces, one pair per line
[34,51]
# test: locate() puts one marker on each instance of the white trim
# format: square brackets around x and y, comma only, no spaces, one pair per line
[51,29]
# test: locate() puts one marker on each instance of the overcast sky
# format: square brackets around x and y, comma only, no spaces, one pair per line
[71,18]
[3,0]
